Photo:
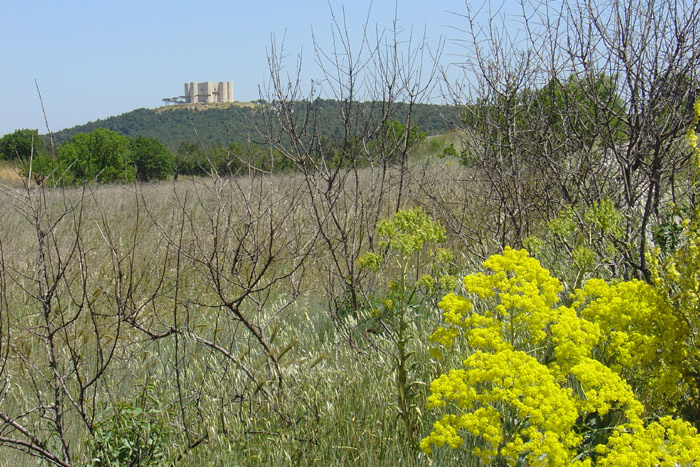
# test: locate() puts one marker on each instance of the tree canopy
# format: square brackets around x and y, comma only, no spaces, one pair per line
[104,156]
[21,144]
[101,155]
[151,158]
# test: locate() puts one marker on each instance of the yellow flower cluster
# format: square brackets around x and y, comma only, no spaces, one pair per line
[540,371]
[455,308]
[573,339]
[668,442]
[643,336]
[408,231]
[514,270]
[498,391]
[602,390]
[522,293]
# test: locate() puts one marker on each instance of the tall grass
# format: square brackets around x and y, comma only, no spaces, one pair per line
[10,174]
[213,294]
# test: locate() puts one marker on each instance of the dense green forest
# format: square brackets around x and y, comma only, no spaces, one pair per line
[106,156]
[196,139]
[214,125]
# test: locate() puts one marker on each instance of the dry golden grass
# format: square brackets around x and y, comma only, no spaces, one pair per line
[10,174]
[146,252]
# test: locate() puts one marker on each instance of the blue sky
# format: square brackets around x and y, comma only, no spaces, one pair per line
[95,59]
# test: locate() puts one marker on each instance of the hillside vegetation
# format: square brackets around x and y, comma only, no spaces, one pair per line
[212,125]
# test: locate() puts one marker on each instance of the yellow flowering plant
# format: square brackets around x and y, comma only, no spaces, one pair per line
[644,338]
[667,441]
[677,278]
[410,264]
[543,383]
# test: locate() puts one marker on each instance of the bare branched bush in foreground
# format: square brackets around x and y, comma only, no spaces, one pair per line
[95,280]
[65,327]
[356,176]
[586,101]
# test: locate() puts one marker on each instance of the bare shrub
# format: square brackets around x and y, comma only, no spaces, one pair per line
[587,100]
[356,176]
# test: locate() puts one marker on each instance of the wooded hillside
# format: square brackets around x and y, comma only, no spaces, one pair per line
[212,125]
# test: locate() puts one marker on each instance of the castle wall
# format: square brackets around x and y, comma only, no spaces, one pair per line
[208,92]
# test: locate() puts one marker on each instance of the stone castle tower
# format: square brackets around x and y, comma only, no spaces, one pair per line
[208,92]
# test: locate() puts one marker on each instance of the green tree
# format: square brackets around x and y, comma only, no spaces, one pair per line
[21,145]
[396,140]
[190,159]
[151,158]
[101,155]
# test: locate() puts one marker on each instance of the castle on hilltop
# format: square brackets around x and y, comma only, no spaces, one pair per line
[208,92]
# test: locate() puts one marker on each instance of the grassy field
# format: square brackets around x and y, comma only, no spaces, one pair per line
[242,320]
[211,307]
[10,174]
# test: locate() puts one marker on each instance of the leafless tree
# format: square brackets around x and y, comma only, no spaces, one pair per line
[570,102]
[356,176]
[197,289]
[238,250]
[60,344]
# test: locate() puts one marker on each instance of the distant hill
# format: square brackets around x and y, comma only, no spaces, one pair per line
[214,124]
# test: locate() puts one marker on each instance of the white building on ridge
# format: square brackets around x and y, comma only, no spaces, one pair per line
[208,92]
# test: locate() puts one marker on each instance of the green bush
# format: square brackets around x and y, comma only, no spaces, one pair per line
[151,158]
[101,156]
[22,144]
[131,434]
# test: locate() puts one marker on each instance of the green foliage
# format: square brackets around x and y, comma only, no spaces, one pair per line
[191,159]
[557,119]
[152,159]
[230,159]
[434,145]
[208,139]
[101,156]
[449,151]
[395,138]
[548,384]
[573,108]
[22,144]
[212,125]
[131,434]
[587,238]
[668,235]
[41,168]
